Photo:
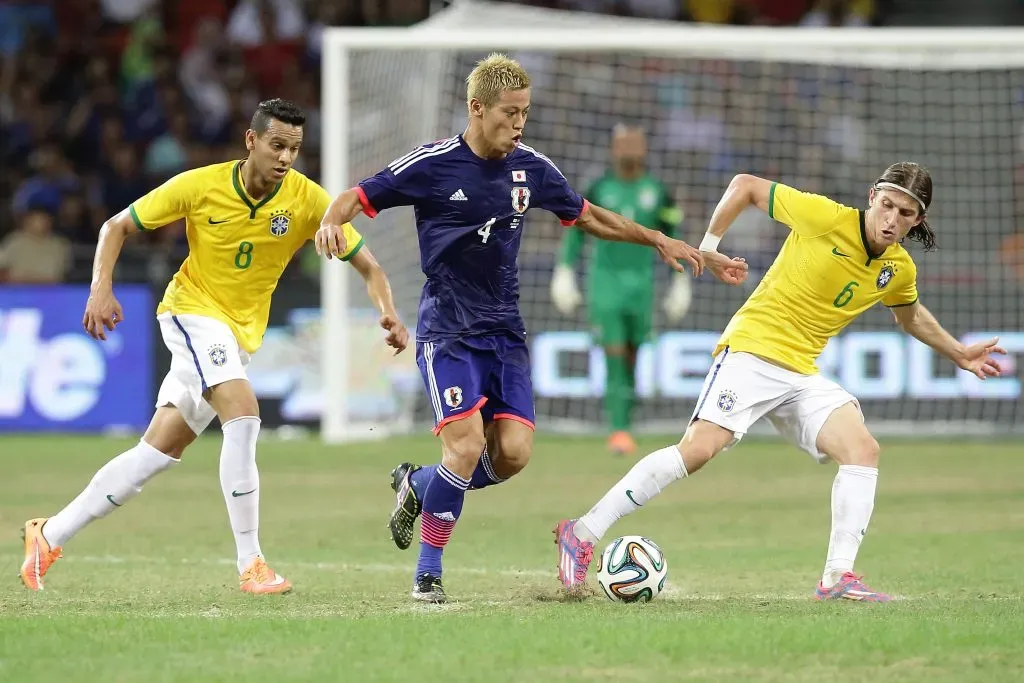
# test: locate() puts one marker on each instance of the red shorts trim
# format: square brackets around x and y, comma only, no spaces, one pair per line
[517,418]
[460,416]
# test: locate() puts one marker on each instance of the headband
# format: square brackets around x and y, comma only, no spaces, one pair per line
[894,186]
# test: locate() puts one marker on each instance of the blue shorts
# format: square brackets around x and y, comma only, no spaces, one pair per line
[486,373]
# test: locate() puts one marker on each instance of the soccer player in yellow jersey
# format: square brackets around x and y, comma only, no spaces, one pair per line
[836,263]
[244,222]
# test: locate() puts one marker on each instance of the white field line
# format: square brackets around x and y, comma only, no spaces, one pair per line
[671,592]
[318,566]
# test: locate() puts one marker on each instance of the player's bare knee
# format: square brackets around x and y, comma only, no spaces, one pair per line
[695,454]
[513,456]
[168,432]
[874,453]
[463,445]
[702,441]
[163,442]
[863,451]
[173,452]
[233,399]
[867,453]
[514,439]
[467,445]
[232,410]
[170,447]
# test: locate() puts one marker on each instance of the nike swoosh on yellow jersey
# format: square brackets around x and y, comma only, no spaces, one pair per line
[835,250]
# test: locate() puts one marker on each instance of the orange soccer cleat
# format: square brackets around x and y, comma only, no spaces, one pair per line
[621,443]
[38,554]
[258,578]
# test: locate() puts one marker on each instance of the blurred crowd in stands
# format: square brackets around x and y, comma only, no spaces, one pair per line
[101,100]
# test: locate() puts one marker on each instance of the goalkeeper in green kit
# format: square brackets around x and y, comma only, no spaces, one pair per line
[620,281]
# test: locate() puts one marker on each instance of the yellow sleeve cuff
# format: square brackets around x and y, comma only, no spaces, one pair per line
[909,303]
[135,217]
[355,250]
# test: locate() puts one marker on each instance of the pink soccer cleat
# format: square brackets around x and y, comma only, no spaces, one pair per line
[574,555]
[850,587]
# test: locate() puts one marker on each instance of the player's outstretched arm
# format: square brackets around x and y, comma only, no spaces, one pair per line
[918,322]
[102,310]
[743,191]
[379,288]
[608,225]
[330,238]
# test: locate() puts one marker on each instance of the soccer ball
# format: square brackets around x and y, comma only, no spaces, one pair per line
[632,569]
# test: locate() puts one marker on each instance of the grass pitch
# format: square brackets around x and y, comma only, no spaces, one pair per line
[150,593]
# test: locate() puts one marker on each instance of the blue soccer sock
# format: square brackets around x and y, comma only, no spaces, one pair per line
[442,506]
[483,476]
[420,479]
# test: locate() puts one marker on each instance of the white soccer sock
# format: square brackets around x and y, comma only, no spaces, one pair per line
[240,483]
[112,486]
[853,498]
[646,480]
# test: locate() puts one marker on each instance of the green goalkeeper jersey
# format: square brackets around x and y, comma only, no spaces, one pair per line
[621,273]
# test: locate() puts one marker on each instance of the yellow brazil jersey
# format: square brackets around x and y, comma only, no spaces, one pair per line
[823,278]
[237,247]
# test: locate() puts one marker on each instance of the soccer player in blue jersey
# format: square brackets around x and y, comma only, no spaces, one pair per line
[470,193]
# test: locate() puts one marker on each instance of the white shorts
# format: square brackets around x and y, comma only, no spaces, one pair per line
[741,388]
[204,353]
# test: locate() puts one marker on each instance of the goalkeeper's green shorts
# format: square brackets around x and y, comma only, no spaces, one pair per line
[621,325]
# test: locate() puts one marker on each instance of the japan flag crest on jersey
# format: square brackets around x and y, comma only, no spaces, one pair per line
[453,397]
[520,198]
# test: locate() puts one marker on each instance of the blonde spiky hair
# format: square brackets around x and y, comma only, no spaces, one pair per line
[493,75]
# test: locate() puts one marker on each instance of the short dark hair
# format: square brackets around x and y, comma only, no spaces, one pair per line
[284,111]
[916,181]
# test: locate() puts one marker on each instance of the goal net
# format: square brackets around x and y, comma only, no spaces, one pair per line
[823,110]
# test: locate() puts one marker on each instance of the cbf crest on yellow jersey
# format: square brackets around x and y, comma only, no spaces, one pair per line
[824,277]
[238,247]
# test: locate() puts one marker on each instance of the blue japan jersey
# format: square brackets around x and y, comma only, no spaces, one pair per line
[469,216]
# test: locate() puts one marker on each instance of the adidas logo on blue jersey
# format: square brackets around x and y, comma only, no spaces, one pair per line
[459,196]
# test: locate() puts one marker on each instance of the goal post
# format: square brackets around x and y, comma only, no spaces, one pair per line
[825,110]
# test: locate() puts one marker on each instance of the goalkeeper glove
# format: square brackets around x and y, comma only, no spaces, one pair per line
[564,292]
[677,300]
